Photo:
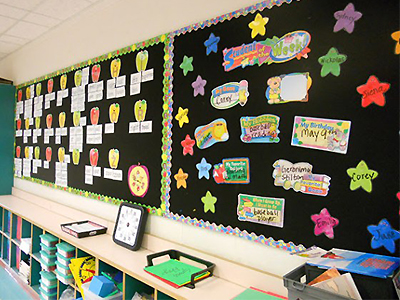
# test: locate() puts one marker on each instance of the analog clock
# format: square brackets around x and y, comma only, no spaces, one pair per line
[130,224]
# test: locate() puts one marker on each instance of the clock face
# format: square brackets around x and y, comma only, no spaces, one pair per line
[129,227]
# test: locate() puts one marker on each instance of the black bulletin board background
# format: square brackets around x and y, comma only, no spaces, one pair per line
[144,148]
[374,130]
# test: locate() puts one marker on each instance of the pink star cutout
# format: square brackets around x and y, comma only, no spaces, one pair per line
[372,92]
[324,223]
[187,145]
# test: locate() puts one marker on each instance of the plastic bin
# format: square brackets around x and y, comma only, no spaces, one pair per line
[46,295]
[63,260]
[49,267]
[49,250]
[66,250]
[298,290]
[90,296]
[48,278]
[47,258]
[64,279]
[48,239]
[48,289]
[63,269]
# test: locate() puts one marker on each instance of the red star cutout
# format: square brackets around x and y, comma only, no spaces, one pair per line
[372,92]
[187,145]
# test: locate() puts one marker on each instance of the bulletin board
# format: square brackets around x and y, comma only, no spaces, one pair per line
[126,108]
[211,47]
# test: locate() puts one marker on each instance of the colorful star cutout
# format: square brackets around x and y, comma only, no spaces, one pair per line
[324,223]
[187,145]
[212,43]
[204,168]
[383,235]
[361,176]
[396,36]
[331,62]
[186,65]
[303,53]
[346,18]
[198,86]
[209,202]
[372,92]
[182,116]
[258,25]
[180,178]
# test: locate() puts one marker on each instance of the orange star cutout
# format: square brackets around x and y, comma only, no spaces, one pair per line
[373,92]
[180,178]
[396,36]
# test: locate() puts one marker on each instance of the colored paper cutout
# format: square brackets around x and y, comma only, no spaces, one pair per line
[61,119]
[138,180]
[300,178]
[18,151]
[187,145]
[96,69]
[63,81]
[78,78]
[292,87]
[232,170]
[373,92]
[76,118]
[50,84]
[94,115]
[182,116]
[204,168]
[331,62]
[383,235]
[258,25]
[276,50]
[396,36]
[186,65]
[93,157]
[37,152]
[27,124]
[324,223]
[180,178]
[261,210]
[141,60]
[198,86]
[76,156]
[37,123]
[19,95]
[28,92]
[260,129]
[140,110]
[113,112]
[346,18]
[208,135]
[230,94]
[61,154]
[49,120]
[19,124]
[115,67]
[38,89]
[113,158]
[361,176]
[209,202]
[321,134]
[212,43]
[48,154]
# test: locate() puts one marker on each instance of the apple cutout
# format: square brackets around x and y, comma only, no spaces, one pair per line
[49,120]
[26,152]
[76,118]
[115,67]
[37,122]
[61,119]
[18,151]
[78,78]
[94,115]
[27,124]
[61,154]
[50,84]
[75,156]
[96,73]
[138,180]
[114,112]
[113,158]
[94,157]
[28,92]
[37,152]
[38,89]
[19,95]
[63,81]
[19,123]
[48,154]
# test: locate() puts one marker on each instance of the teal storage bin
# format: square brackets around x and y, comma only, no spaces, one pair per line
[47,296]
[48,289]
[47,258]
[48,239]
[48,278]
[63,260]
[49,250]
[66,250]
[63,269]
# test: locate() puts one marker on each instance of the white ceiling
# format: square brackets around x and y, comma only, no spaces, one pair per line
[22,21]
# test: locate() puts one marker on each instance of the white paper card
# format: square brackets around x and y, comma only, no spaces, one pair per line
[109,128]
[135,89]
[148,75]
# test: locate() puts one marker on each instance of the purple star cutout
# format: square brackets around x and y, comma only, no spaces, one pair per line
[346,18]
[198,86]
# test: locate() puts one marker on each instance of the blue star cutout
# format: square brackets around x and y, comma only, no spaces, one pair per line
[212,43]
[204,168]
[383,235]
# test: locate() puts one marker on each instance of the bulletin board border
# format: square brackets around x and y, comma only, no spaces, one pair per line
[280,244]
[167,91]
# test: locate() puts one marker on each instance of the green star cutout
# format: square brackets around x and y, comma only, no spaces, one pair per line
[209,202]
[361,176]
[186,65]
[331,62]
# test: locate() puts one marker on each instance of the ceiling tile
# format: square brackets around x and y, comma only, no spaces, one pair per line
[24,4]
[6,23]
[26,30]
[12,39]
[41,20]
[12,12]
[61,9]
[8,47]
[3,54]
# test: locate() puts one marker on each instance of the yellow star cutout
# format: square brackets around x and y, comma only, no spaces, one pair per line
[182,116]
[180,178]
[258,25]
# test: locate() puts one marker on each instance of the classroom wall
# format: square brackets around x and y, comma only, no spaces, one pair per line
[112,25]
